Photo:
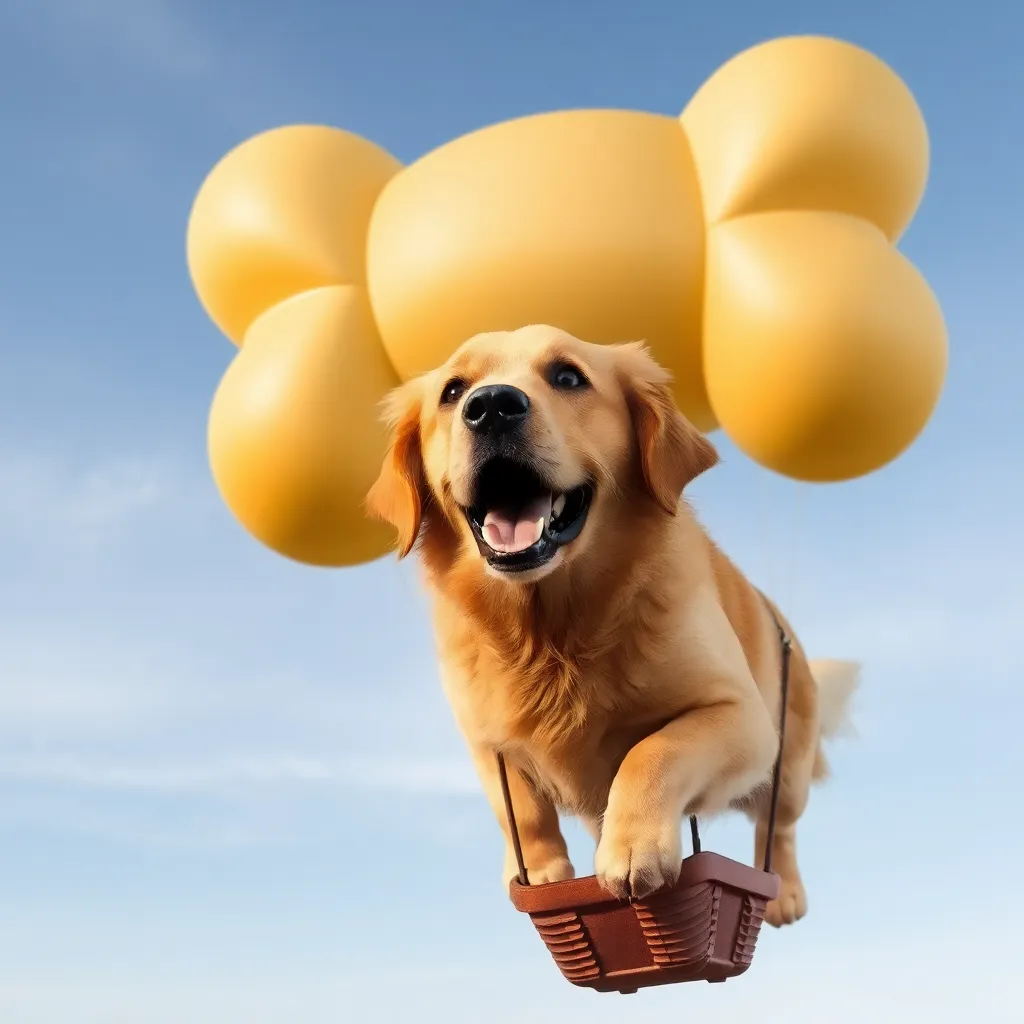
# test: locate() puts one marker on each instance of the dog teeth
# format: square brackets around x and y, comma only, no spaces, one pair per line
[557,505]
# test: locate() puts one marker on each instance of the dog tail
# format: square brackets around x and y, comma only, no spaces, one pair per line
[837,681]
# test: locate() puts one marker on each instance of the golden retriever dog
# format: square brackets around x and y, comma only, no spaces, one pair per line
[587,626]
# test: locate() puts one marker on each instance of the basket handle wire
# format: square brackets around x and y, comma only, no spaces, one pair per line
[511,815]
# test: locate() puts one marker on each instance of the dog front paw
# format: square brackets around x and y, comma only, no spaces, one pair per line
[636,858]
[559,869]
[555,869]
[790,906]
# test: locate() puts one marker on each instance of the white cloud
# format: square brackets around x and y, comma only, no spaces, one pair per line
[153,36]
[916,587]
[52,501]
[107,496]
[53,707]
[167,777]
[66,682]
[929,641]
[398,774]
[221,83]
[71,683]
[75,681]
[196,830]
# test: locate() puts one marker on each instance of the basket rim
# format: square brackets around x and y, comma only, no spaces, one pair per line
[577,893]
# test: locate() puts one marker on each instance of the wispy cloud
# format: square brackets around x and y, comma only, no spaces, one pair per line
[45,706]
[437,776]
[74,683]
[153,37]
[48,499]
[149,73]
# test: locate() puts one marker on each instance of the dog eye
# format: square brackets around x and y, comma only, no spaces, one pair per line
[566,377]
[453,391]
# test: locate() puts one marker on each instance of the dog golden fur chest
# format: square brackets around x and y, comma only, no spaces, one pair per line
[572,678]
[567,718]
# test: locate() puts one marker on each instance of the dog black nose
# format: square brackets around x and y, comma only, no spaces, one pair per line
[495,409]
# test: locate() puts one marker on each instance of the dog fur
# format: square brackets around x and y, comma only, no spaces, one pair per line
[635,677]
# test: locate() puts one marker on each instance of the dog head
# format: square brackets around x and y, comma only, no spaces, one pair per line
[528,448]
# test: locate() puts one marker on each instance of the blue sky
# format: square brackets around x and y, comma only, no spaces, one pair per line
[224,777]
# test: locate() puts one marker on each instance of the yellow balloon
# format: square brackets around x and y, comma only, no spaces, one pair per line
[283,212]
[587,219]
[748,241]
[809,123]
[295,439]
[825,350]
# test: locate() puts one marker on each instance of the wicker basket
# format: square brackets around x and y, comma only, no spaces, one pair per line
[702,929]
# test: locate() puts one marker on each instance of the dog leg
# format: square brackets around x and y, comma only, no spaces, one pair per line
[791,904]
[544,851]
[697,763]
[798,761]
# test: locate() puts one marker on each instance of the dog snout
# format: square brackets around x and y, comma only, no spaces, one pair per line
[495,409]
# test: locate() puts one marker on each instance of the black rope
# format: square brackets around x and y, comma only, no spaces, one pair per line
[787,650]
[513,829]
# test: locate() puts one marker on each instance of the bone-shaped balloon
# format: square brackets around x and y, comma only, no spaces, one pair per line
[749,242]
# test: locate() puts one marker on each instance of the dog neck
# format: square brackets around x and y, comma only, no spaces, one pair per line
[575,612]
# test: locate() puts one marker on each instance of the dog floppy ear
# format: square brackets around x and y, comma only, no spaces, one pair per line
[672,451]
[400,492]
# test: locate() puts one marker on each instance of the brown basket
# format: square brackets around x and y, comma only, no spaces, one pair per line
[702,928]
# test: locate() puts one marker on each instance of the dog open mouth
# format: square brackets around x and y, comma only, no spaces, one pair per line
[519,521]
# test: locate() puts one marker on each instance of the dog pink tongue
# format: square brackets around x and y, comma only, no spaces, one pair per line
[516,532]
